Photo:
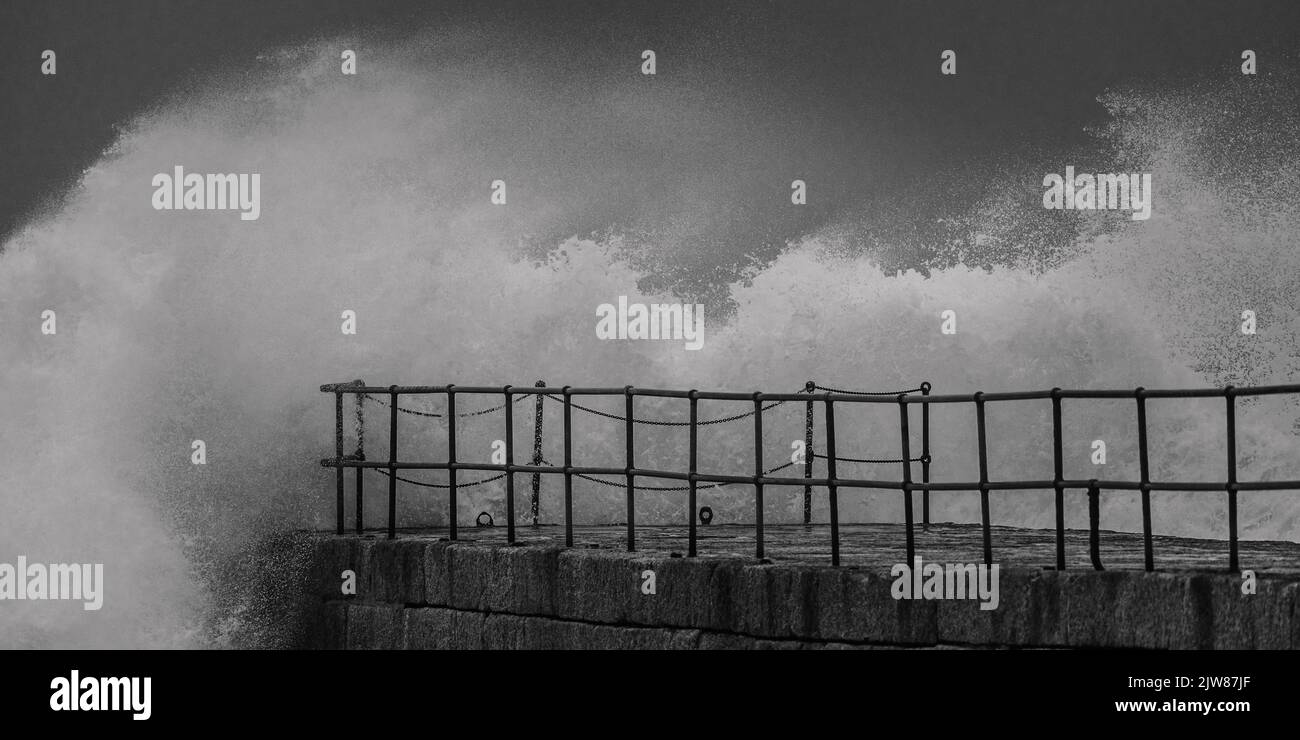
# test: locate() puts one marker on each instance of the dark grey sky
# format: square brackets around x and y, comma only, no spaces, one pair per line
[1029,70]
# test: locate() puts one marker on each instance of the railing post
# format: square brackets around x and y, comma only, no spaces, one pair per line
[1094,524]
[392,462]
[925,456]
[810,386]
[1145,484]
[338,462]
[984,478]
[1058,475]
[830,481]
[758,474]
[906,436]
[630,466]
[691,500]
[568,466]
[1230,396]
[510,461]
[361,456]
[451,461]
[537,452]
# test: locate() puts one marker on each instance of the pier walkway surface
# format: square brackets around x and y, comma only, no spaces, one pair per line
[880,546]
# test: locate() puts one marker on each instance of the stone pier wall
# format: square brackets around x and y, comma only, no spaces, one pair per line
[422,592]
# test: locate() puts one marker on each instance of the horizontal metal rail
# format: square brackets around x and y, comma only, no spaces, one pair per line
[1266,390]
[811,395]
[1026,485]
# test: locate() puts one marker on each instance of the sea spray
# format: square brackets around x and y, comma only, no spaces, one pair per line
[181,326]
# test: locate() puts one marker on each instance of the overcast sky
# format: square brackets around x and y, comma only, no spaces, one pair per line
[1029,71]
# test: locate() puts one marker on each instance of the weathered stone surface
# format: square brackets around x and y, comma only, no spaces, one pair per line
[550,634]
[395,571]
[1029,612]
[1146,610]
[331,557]
[856,605]
[326,626]
[724,641]
[1264,620]
[450,629]
[470,578]
[688,593]
[598,586]
[1292,592]
[605,586]
[432,628]
[772,601]
[510,632]
[523,580]
[437,574]
[375,626]
[503,632]
[536,595]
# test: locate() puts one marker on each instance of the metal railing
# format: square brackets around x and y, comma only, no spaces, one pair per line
[828,397]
